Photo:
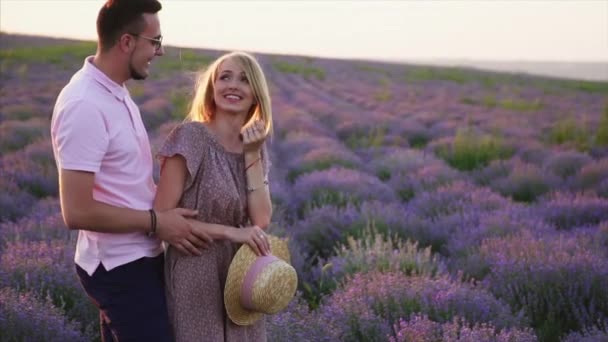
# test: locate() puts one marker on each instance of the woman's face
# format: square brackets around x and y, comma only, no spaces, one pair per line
[232,92]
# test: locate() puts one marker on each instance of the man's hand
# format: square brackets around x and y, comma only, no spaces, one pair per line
[174,228]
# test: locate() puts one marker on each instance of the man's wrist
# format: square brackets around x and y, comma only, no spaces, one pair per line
[153,223]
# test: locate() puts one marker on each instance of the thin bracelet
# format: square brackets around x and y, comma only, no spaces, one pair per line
[152,222]
[253,162]
[250,190]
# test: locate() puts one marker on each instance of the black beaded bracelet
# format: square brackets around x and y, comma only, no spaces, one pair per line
[152,222]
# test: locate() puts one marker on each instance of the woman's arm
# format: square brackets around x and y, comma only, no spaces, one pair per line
[169,191]
[258,193]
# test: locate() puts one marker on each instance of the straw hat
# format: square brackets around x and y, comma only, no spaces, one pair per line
[259,285]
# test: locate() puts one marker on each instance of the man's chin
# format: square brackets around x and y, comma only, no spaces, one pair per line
[138,76]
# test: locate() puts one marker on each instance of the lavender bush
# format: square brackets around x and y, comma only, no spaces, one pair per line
[370,304]
[588,335]
[557,279]
[421,328]
[18,134]
[46,269]
[338,187]
[525,183]
[566,164]
[14,202]
[591,175]
[372,252]
[297,323]
[24,317]
[566,210]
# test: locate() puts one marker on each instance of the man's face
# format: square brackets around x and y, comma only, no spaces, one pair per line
[147,47]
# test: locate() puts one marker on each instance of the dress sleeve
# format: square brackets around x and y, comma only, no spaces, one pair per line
[187,141]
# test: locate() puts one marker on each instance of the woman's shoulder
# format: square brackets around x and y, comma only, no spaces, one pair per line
[192,129]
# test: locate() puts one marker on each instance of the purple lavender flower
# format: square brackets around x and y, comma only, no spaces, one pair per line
[33,169]
[591,175]
[297,323]
[321,158]
[18,134]
[566,164]
[338,187]
[593,334]
[455,198]
[525,182]
[24,317]
[567,211]
[421,328]
[557,279]
[46,268]
[369,304]
[14,202]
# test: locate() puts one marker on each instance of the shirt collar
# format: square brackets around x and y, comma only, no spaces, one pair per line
[119,91]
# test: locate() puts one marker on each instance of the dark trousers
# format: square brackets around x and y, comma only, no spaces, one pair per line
[131,300]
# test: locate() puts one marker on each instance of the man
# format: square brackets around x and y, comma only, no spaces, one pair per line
[105,176]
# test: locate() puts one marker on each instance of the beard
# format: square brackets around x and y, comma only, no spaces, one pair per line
[134,73]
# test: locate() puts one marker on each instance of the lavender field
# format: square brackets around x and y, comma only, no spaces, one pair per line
[421,203]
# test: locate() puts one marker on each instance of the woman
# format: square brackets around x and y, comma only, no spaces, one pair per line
[216,162]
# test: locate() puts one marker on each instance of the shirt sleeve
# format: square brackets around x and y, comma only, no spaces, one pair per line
[81,137]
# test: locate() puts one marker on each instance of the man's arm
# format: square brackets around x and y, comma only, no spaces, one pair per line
[81,211]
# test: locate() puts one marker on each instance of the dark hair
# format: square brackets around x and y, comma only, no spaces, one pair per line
[117,17]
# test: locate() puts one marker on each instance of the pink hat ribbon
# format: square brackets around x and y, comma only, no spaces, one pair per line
[247,288]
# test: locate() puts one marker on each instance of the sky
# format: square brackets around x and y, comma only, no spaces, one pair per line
[513,30]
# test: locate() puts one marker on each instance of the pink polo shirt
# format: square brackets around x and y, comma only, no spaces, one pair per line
[96,127]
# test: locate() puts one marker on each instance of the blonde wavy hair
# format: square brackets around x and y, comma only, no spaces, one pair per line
[203,104]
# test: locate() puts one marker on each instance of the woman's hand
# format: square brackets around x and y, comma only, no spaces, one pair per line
[253,236]
[254,136]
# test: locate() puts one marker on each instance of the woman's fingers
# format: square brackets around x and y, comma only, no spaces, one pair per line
[254,133]
[264,244]
[253,244]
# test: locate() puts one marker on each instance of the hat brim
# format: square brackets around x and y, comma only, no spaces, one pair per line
[241,262]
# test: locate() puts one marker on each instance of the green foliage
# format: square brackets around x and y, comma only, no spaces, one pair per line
[418,140]
[181,105]
[521,105]
[305,70]
[601,134]
[490,101]
[53,54]
[470,150]
[375,250]
[373,69]
[183,60]
[436,73]
[362,139]
[384,94]
[323,197]
[569,132]
[587,86]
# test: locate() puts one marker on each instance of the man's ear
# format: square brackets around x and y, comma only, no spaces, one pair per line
[126,42]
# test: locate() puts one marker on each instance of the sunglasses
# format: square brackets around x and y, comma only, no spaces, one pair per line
[157,42]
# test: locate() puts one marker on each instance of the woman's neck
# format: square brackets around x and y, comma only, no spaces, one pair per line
[227,128]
